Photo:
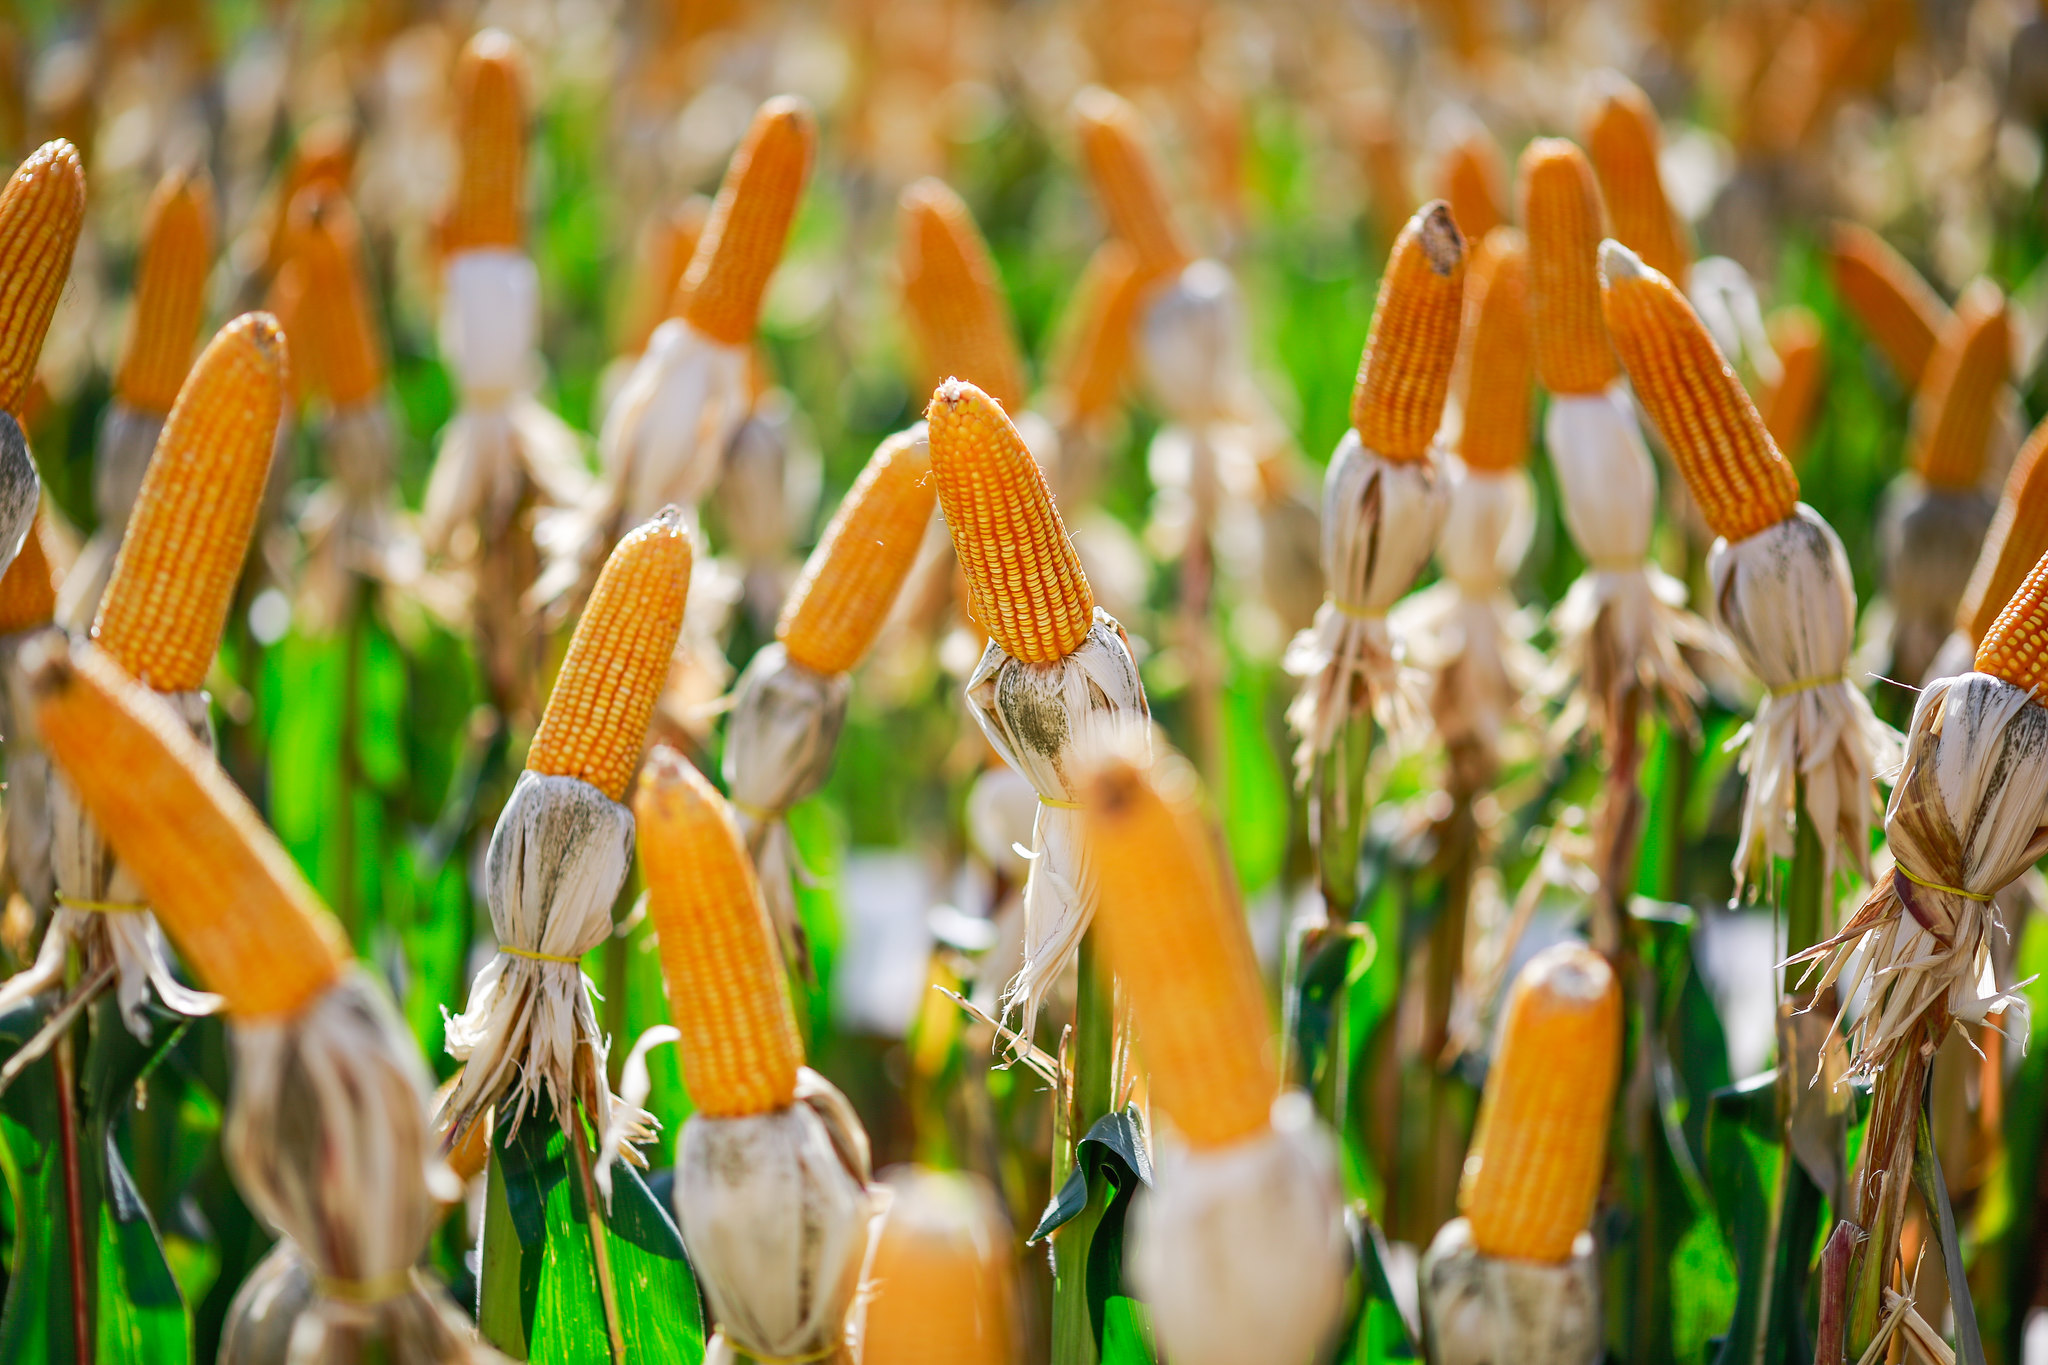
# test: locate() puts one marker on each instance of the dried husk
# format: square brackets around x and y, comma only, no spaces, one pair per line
[1927,541]
[1483,1310]
[1191,343]
[21,491]
[766,496]
[1240,1251]
[1040,718]
[126,441]
[29,863]
[666,433]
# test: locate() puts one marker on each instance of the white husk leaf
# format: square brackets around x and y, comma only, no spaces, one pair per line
[1240,1251]
[666,433]
[1927,541]
[1484,1310]
[127,439]
[1191,341]
[1040,718]
[28,784]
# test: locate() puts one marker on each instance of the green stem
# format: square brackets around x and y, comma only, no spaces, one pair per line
[1094,1056]
[1805,892]
[1337,800]
[347,899]
[600,1248]
[1885,1171]
[74,1200]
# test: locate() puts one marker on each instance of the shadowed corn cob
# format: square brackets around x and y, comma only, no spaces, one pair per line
[330,252]
[839,603]
[671,242]
[720,294]
[955,300]
[226,892]
[2016,646]
[1533,1173]
[1560,205]
[1499,369]
[1172,930]
[2016,541]
[1474,181]
[1789,405]
[175,573]
[1738,478]
[1398,402]
[1024,579]
[41,210]
[325,155]
[1622,138]
[1097,354]
[489,208]
[28,590]
[941,1278]
[1957,405]
[596,719]
[726,988]
[1901,314]
[170,293]
[1127,181]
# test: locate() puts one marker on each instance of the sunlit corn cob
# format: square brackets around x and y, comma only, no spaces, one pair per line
[330,251]
[324,155]
[1622,139]
[1398,401]
[1171,928]
[1560,205]
[1474,181]
[954,297]
[1738,478]
[28,590]
[181,555]
[1127,180]
[596,718]
[726,987]
[1789,405]
[1902,315]
[1958,402]
[2016,646]
[229,896]
[1097,354]
[2016,541]
[665,256]
[742,243]
[489,208]
[41,210]
[170,293]
[941,1282]
[1499,368]
[1024,580]
[838,605]
[1533,1173]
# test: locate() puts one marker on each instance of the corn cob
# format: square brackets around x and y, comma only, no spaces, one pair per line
[1474,181]
[170,293]
[1398,401]
[1127,181]
[596,718]
[2016,646]
[1097,354]
[2017,539]
[1958,400]
[28,590]
[955,299]
[226,892]
[1789,405]
[1498,371]
[840,601]
[726,988]
[1560,205]
[720,294]
[1896,307]
[489,208]
[671,242]
[1024,580]
[1738,478]
[1622,138]
[181,555]
[1171,929]
[285,300]
[941,1277]
[41,210]
[1533,1173]
[330,252]
[325,155]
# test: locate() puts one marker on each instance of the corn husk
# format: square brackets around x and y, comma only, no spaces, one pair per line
[29,863]
[767,496]
[1240,1251]
[127,438]
[1482,1310]
[1927,541]
[20,490]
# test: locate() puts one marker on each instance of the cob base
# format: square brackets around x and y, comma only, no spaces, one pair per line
[1928,539]
[1484,1310]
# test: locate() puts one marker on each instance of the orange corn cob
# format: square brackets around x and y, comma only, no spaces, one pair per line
[1498,371]
[489,208]
[28,590]
[720,294]
[2016,646]
[330,252]
[1398,401]
[1127,181]
[181,555]
[325,155]
[285,300]
[1789,406]
[2016,541]
[170,293]
[1171,928]
[1024,580]
[1561,213]
[955,299]
[41,210]
[941,1278]
[1957,406]
[1533,1173]
[1622,138]
[671,242]
[726,989]
[1738,478]
[1097,354]
[1896,307]
[848,584]
[1474,181]
[229,896]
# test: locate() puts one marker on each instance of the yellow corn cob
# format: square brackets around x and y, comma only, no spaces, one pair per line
[1024,580]
[325,155]
[1097,353]
[1958,401]
[1398,401]
[1622,138]
[1533,1173]
[1171,929]
[1789,406]
[720,294]
[955,300]
[941,1276]
[1498,370]
[330,252]
[596,719]
[839,603]
[229,896]
[1560,205]
[671,242]
[28,590]
[285,300]
[489,208]
[1738,478]
[2016,541]
[170,293]
[1127,181]
[41,210]
[2016,646]
[1896,307]
[181,555]
[726,989]
[1474,181]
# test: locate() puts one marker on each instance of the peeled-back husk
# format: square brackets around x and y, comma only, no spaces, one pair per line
[127,440]
[1040,718]
[666,433]
[29,863]
[1240,1251]
[1927,540]
[1486,1310]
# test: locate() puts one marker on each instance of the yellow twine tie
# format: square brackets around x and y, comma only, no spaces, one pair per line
[808,1358]
[1358,613]
[381,1289]
[103,907]
[1057,804]
[538,957]
[1907,873]
[1805,685]
[758,814]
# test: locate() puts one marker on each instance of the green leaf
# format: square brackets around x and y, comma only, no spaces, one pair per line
[1375,1330]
